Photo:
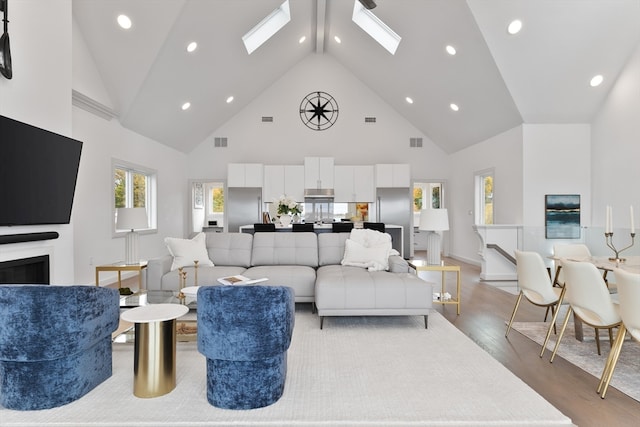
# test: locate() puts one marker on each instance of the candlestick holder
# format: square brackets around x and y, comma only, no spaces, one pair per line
[609,239]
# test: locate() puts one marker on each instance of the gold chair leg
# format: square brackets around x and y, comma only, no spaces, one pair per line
[612,360]
[546,313]
[598,340]
[513,315]
[553,322]
[564,326]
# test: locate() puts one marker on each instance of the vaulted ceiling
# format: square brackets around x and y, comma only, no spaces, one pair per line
[498,80]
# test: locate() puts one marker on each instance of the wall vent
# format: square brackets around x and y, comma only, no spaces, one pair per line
[267,119]
[369,119]
[415,142]
[220,141]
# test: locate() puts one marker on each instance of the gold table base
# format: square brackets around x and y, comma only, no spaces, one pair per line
[154,365]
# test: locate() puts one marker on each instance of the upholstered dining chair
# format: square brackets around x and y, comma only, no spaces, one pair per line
[306,227]
[629,297]
[244,332]
[378,226]
[576,252]
[341,227]
[260,227]
[55,343]
[535,285]
[589,298]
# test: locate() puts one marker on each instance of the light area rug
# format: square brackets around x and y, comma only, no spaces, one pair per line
[357,371]
[584,354]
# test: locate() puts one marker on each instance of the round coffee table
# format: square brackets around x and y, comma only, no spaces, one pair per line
[154,363]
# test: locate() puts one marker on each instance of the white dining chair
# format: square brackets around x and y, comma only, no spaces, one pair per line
[575,252]
[589,299]
[629,296]
[535,285]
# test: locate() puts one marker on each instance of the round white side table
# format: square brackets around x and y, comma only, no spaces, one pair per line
[154,363]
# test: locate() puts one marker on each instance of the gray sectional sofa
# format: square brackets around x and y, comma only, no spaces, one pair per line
[309,263]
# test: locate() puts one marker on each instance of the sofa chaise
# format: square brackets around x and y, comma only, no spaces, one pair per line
[309,263]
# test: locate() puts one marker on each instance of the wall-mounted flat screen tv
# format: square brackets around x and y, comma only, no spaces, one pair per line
[38,172]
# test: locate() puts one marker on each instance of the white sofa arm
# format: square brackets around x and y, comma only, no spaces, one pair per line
[156,268]
[397,264]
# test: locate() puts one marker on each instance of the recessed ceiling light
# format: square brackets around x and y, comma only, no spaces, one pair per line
[514,26]
[337,39]
[454,107]
[192,46]
[124,21]
[409,100]
[230,100]
[302,39]
[596,80]
[186,106]
[450,50]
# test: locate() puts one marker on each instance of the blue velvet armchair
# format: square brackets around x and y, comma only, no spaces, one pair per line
[55,343]
[244,332]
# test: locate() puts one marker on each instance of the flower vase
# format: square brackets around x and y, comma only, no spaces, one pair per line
[285,220]
[296,219]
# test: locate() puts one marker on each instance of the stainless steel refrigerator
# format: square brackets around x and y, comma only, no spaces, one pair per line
[394,206]
[243,206]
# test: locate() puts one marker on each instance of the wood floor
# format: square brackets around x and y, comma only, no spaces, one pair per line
[484,311]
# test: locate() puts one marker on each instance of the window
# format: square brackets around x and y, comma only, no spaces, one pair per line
[134,187]
[215,202]
[484,197]
[427,195]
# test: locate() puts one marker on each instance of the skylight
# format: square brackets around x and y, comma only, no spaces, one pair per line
[377,29]
[267,27]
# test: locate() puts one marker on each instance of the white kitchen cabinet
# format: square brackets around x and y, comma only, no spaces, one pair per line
[393,175]
[318,172]
[282,180]
[294,182]
[354,184]
[273,183]
[244,175]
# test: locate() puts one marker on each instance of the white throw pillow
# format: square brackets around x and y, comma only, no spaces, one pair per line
[186,251]
[373,258]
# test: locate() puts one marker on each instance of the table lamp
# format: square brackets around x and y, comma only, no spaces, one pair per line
[433,220]
[131,219]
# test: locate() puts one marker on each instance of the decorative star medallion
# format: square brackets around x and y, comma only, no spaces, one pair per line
[318,110]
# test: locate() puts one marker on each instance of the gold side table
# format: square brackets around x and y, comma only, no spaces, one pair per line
[154,363]
[120,267]
[421,265]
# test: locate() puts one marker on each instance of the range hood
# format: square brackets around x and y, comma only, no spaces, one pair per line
[324,193]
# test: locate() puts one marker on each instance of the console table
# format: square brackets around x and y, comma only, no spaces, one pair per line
[421,265]
[120,267]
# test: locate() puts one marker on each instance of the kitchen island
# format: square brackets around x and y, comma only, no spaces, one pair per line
[395,231]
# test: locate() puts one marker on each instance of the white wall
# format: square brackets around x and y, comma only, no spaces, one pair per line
[503,154]
[616,150]
[288,141]
[39,94]
[105,140]
[557,160]
[92,213]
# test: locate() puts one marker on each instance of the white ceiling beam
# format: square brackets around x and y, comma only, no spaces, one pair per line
[321,14]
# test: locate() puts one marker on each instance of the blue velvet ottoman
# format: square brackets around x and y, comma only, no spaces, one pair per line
[55,343]
[244,332]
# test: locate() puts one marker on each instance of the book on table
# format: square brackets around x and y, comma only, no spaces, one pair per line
[240,280]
